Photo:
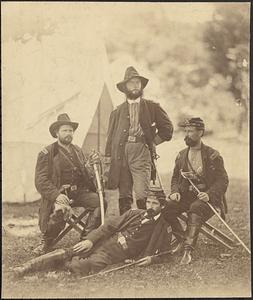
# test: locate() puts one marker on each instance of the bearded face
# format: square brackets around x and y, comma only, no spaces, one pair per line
[190,142]
[134,88]
[192,136]
[65,134]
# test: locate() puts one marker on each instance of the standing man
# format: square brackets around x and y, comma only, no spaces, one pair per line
[206,168]
[135,128]
[64,178]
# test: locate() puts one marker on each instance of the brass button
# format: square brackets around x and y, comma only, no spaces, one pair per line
[124,130]
[119,157]
[121,144]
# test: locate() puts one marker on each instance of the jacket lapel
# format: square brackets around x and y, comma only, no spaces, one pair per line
[184,158]
[145,121]
[204,158]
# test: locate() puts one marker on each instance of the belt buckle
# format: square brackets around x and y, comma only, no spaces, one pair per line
[73,188]
[131,139]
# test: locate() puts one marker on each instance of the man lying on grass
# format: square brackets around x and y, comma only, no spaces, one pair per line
[137,233]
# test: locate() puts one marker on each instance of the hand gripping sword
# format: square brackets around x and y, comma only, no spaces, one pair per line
[184,175]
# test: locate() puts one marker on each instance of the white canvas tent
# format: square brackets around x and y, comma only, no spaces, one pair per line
[64,72]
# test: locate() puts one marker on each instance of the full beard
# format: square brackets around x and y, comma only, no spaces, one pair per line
[134,95]
[150,212]
[189,142]
[66,140]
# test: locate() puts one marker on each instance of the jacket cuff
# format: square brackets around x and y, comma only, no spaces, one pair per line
[158,140]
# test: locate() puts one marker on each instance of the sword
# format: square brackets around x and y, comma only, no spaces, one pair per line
[184,174]
[100,193]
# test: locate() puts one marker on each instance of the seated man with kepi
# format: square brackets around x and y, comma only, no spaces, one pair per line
[64,178]
[205,167]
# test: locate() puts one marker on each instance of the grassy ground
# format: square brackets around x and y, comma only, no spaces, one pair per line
[209,275]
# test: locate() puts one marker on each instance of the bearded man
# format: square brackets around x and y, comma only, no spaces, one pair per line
[135,128]
[205,168]
[137,233]
[64,178]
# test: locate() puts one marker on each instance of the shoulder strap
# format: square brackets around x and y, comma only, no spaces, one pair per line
[71,163]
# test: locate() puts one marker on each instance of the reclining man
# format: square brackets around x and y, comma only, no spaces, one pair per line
[136,233]
[64,178]
[206,169]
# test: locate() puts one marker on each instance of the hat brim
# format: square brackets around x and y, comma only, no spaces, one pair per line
[122,85]
[200,127]
[57,124]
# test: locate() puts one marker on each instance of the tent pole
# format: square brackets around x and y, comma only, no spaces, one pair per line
[99,121]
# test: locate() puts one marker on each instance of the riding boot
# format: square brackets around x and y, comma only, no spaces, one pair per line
[125,204]
[192,232]
[141,203]
[179,234]
[44,245]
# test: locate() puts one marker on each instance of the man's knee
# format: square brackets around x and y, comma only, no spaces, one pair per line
[201,209]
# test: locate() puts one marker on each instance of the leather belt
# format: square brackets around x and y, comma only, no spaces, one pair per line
[136,139]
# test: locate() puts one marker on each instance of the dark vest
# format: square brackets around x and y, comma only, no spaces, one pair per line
[138,235]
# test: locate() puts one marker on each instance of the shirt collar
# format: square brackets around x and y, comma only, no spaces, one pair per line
[134,101]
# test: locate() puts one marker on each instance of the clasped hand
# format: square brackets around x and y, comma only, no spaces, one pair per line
[94,158]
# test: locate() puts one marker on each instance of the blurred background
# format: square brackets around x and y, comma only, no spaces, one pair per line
[196,56]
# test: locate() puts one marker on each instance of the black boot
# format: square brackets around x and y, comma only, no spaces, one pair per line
[141,203]
[125,204]
[192,232]
[44,246]
[179,234]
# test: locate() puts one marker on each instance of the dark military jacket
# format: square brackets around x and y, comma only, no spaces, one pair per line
[153,120]
[159,241]
[48,179]
[214,174]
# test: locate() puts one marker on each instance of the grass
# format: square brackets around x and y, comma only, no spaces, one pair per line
[207,276]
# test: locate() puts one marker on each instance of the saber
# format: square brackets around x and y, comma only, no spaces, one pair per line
[100,193]
[157,173]
[216,213]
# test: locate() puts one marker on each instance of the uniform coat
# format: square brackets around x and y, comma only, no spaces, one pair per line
[214,174]
[159,240]
[153,120]
[48,179]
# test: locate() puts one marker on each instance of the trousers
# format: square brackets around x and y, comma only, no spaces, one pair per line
[88,200]
[109,252]
[134,176]
[188,203]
